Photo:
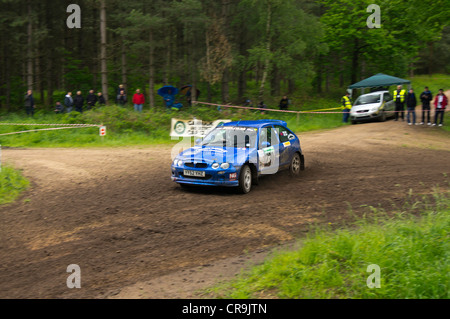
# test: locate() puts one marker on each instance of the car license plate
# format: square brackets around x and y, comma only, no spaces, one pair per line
[194,173]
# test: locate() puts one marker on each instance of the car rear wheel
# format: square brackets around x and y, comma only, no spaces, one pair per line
[245,179]
[296,164]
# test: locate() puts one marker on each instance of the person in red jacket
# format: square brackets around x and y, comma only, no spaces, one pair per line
[440,102]
[138,100]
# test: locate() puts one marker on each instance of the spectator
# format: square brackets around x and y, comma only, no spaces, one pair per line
[411,103]
[29,103]
[68,102]
[169,99]
[119,89]
[138,100]
[346,106]
[261,105]
[399,98]
[440,102]
[91,99]
[426,97]
[121,98]
[59,108]
[248,103]
[101,99]
[78,102]
[284,103]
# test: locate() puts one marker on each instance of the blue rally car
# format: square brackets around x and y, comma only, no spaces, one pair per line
[236,154]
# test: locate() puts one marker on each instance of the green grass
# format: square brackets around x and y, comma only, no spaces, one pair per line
[434,83]
[12,184]
[412,253]
[128,128]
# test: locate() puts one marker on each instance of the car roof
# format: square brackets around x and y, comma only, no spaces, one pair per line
[256,123]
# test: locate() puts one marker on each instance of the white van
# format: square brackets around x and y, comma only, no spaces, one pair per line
[372,106]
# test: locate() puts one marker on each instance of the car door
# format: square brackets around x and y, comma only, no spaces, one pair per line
[389,104]
[284,145]
[268,156]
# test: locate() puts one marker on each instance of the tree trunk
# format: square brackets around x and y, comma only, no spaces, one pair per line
[291,86]
[151,80]
[49,81]
[225,86]
[103,71]
[275,82]
[268,47]
[242,85]
[430,58]
[166,74]
[319,75]
[29,48]
[124,64]
[355,62]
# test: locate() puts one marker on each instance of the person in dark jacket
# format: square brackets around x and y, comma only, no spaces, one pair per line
[78,102]
[29,103]
[91,99]
[262,105]
[68,102]
[120,88]
[426,97]
[101,99]
[411,103]
[121,98]
[59,108]
[284,103]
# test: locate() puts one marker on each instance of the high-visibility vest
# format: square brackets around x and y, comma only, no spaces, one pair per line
[402,95]
[346,102]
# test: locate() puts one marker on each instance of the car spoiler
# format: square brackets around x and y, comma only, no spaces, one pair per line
[283,123]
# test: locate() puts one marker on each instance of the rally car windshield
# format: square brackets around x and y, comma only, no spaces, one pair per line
[367,99]
[232,136]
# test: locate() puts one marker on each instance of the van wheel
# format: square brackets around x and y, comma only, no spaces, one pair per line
[245,180]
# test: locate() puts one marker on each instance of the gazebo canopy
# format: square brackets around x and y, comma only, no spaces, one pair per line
[379,80]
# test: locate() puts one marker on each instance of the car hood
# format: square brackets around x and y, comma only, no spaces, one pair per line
[211,154]
[363,107]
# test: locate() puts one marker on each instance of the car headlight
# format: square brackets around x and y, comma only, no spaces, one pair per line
[178,162]
[215,165]
[225,166]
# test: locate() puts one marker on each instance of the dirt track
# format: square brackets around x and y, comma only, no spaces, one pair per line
[116,213]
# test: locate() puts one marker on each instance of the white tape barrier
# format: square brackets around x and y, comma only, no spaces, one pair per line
[64,127]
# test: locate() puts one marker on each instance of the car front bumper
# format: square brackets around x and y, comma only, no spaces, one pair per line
[365,116]
[213,177]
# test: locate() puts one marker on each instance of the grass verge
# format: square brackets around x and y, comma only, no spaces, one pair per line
[412,253]
[128,128]
[12,184]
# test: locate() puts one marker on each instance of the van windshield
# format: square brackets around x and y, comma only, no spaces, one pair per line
[367,99]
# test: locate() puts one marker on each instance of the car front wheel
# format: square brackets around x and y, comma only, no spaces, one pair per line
[245,179]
